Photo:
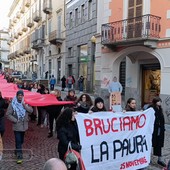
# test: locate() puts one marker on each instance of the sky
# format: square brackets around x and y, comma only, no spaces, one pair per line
[4,10]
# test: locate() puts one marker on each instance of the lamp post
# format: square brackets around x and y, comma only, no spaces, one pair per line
[93,47]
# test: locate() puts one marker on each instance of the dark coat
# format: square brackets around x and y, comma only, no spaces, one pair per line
[63,84]
[3,106]
[54,110]
[159,128]
[83,108]
[65,135]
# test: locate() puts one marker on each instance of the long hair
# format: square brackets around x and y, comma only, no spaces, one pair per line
[154,101]
[88,99]
[127,107]
[64,118]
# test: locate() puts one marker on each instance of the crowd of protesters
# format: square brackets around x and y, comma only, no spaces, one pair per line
[63,118]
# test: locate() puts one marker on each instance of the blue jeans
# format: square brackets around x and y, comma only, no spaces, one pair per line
[19,140]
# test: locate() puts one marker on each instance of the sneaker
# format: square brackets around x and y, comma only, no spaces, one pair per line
[161,163]
[19,161]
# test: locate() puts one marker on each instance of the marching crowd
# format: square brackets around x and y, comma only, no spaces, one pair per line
[19,113]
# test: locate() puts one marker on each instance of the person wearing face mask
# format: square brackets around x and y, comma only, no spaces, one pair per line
[17,113]
[159,130]
[98,105]
[67,131]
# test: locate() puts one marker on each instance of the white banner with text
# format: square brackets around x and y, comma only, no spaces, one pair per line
[116,141]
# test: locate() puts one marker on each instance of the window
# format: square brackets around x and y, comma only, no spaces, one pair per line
[76,17]
[83,13]
[90,12]
[70,52]
[71,20]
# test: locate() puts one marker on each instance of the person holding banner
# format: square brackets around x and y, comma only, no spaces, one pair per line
[98,105]
[17,113]
[159,130]
[84,103]
[130,105]
[67,131]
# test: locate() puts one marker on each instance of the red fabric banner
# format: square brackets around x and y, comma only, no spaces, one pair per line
[9,90]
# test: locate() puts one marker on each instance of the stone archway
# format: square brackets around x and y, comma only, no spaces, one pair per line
[133,82]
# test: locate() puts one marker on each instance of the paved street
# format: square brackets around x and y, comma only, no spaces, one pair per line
[38,147]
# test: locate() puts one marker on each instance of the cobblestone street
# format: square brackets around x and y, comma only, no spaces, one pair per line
[39,148]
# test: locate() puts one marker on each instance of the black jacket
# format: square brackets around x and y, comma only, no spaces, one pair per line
[159,128]
[3,106]
[55,109]
[65,135]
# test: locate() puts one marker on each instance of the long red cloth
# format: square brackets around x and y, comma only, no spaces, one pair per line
[9,90]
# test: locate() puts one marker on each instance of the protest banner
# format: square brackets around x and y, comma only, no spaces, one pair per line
[115,101]
[116,141]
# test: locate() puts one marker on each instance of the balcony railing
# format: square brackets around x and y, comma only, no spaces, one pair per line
[56,37]
[37,16]
[11,56]
[47,6]
[30,23]
[138,28]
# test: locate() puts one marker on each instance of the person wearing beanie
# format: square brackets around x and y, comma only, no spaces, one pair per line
[98,105]
[17,113]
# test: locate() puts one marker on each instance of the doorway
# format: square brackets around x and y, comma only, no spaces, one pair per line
[150,82]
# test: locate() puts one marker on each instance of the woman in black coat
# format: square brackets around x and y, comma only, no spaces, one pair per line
[98,105]
[159,130]
[67,131]
[63,83]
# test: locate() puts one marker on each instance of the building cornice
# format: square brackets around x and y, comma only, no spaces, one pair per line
[13,6]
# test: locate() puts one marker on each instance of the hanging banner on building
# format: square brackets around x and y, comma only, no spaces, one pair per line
[116,141]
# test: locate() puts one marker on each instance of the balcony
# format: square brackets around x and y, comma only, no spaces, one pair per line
[16,54]
[24,29]
[14,20]
[11,56]
[12,39]
[18,15]
[37,16]
[27,50]
[56,37]
[37,44]
[22,10]
[20,52]
[143,30]
[20,32]
[30,23]
[27,3]
[16,36]
[47,6]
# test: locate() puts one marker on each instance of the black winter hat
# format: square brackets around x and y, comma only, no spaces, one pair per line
[20,92]
[98,100]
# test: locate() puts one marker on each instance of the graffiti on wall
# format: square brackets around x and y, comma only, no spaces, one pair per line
[167,107]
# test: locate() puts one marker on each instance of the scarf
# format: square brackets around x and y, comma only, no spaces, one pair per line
[18,108]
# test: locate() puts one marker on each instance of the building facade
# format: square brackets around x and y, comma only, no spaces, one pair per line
[34,47]
[133,43]
[4,49]
[81,27]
